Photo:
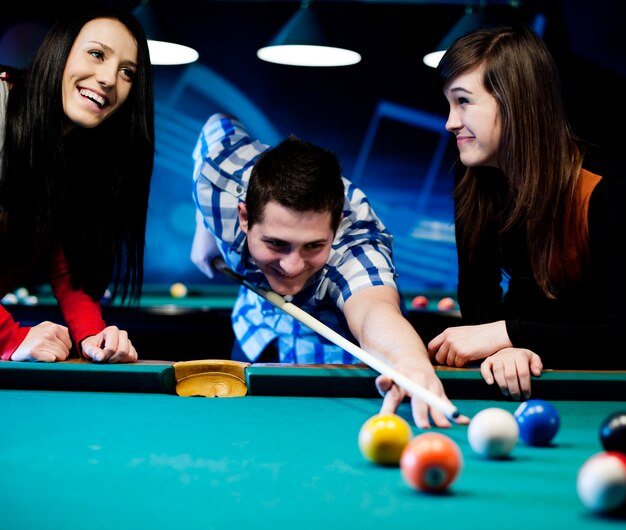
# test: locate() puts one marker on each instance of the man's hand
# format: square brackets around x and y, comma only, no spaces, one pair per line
[393,396]
[376,321]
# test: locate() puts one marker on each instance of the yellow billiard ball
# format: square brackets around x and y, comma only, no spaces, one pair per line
[383,437]
[178,290]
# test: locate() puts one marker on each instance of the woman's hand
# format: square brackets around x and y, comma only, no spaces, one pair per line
[46,342]
[511,370]
[459,346]
[111,345]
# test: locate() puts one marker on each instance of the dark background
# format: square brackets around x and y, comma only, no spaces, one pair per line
[390,94]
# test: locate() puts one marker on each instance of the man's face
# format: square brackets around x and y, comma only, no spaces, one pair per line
[288,246]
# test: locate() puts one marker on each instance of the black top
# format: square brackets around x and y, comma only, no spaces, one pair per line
[583,327]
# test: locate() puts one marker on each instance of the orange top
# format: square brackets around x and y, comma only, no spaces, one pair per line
[577,248]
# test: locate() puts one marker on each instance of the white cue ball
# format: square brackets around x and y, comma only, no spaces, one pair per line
[601,482]
[493,433]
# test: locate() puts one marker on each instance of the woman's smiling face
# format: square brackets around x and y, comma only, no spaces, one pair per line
[99,73]
[474,119]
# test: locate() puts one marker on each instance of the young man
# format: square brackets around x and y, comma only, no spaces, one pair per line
[286,219]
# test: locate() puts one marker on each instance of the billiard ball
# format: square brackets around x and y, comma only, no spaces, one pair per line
[493,433]
[178,290]
[538,422]
[21,293]
[31,299]
[430,462]
[613,432]
[107,297]
[9,299]
[383,437]
[419,302]
[446,304]
[601,482]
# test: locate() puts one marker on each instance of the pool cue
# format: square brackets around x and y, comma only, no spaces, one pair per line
[380,366]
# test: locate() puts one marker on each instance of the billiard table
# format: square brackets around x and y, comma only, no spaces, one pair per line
[198,325]
[87,446]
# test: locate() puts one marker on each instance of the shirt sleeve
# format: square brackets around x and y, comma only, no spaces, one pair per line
[82,314]
[361,256]
[11,334]
[223,159]
[479,289]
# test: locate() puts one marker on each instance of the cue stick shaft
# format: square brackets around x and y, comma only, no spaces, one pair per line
[372,361]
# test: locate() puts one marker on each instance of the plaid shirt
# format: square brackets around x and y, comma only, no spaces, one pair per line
[360,255]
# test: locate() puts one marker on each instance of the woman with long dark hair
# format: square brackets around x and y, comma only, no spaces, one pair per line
[527,209]
[77,158]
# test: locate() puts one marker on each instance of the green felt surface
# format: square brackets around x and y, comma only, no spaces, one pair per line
[100,460]
[211,296]
[206,296]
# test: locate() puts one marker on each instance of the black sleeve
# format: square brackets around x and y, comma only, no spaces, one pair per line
[479,284]
[594,341]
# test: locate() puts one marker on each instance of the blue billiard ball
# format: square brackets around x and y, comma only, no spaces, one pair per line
[107,297]
[538,421]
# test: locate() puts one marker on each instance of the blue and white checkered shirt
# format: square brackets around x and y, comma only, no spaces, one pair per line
[360,255]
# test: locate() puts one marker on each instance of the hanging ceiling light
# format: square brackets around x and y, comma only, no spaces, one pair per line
[475,17]
[162,50]
[472,19]
[302,42]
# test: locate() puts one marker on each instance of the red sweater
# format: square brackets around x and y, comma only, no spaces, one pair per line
[82,314]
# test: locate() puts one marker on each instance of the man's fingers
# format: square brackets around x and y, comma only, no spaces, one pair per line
[383,384]
[392,400]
